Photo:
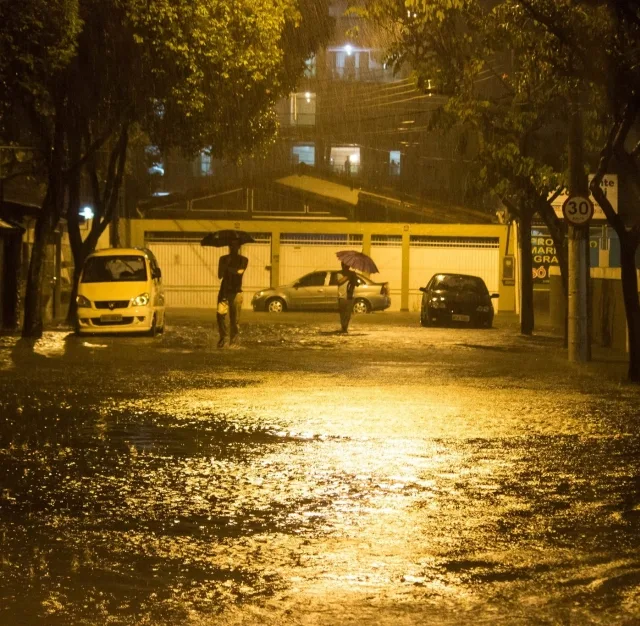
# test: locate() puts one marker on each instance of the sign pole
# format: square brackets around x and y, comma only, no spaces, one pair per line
[578,211]
[578,338]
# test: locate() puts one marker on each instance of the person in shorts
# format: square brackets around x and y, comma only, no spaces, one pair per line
[231,268]
[347,282]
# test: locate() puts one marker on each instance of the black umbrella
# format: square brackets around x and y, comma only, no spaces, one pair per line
[357,261]
[222,238]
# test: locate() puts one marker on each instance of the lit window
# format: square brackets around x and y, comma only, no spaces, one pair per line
[154,160]
[310,67]
[304,153]
[345,159]
[205,164]
[394,163]
[303,108]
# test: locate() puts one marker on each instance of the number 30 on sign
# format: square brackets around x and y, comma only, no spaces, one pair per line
[578,210]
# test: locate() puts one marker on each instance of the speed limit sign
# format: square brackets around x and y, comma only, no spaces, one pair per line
[577,209]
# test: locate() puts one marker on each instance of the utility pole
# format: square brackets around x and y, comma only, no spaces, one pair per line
[578,211]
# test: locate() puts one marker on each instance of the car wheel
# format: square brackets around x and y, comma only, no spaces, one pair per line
[361,306]
[276,305]
[153,331]
[424,320]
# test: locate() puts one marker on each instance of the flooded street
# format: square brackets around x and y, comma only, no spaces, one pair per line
[397,475]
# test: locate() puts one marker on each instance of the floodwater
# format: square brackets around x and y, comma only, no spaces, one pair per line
[397,475]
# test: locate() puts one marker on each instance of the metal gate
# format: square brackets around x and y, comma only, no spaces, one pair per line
[386,251]
[304,253]
[190,271]
[478,256]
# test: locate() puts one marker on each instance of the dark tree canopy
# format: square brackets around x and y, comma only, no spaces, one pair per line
[191,75]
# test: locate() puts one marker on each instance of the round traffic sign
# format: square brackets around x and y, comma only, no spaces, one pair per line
[577,209]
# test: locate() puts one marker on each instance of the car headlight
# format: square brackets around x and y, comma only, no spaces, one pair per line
[141,300]
[83,302]
[437,304]
[259,294]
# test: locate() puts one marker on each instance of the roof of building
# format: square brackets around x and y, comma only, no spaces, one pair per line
[407,208]
[8,225]
[288,197]
[321,187]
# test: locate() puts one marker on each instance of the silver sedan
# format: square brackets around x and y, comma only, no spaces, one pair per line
[318,291]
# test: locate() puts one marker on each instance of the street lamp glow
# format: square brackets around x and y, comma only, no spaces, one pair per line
[87,213]
[348,49]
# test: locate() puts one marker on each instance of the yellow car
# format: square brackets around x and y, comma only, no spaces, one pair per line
[120,291]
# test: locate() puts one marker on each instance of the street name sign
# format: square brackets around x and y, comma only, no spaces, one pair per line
[578,210]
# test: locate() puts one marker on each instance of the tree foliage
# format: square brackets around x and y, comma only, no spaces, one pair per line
[601,38]
[480,61]
[559,53]
[38,40]
[191,75]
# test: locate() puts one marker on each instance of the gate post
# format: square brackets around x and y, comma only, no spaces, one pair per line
[275,258]
[404,294]
[366,243]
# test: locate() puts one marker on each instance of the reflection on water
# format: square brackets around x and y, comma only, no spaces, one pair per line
[260,487]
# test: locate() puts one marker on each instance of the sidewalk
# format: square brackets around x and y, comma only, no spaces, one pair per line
[607,361]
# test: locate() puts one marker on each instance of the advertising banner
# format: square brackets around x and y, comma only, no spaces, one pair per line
[609,185]
[544,255]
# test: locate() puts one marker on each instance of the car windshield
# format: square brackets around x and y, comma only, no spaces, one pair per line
[112,269]
[459,283]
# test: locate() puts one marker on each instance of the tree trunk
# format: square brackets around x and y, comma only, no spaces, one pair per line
[47,220]
[628,240]
[12,263]
[526,273]
[72,312]
[33,325]
[559,236]
[628,246]
[104,201]
[73,222]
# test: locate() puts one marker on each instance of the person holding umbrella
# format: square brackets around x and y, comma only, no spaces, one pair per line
[348,281]
[231,269]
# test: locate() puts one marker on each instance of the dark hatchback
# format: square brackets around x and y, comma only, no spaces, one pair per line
[456,299]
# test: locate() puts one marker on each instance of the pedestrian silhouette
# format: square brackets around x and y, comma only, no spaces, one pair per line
[231,268]
[347,282]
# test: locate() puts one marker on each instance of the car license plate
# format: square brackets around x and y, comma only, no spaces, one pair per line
[460,318]
[111,318]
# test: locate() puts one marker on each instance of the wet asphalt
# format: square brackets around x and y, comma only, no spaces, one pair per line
[396,475]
